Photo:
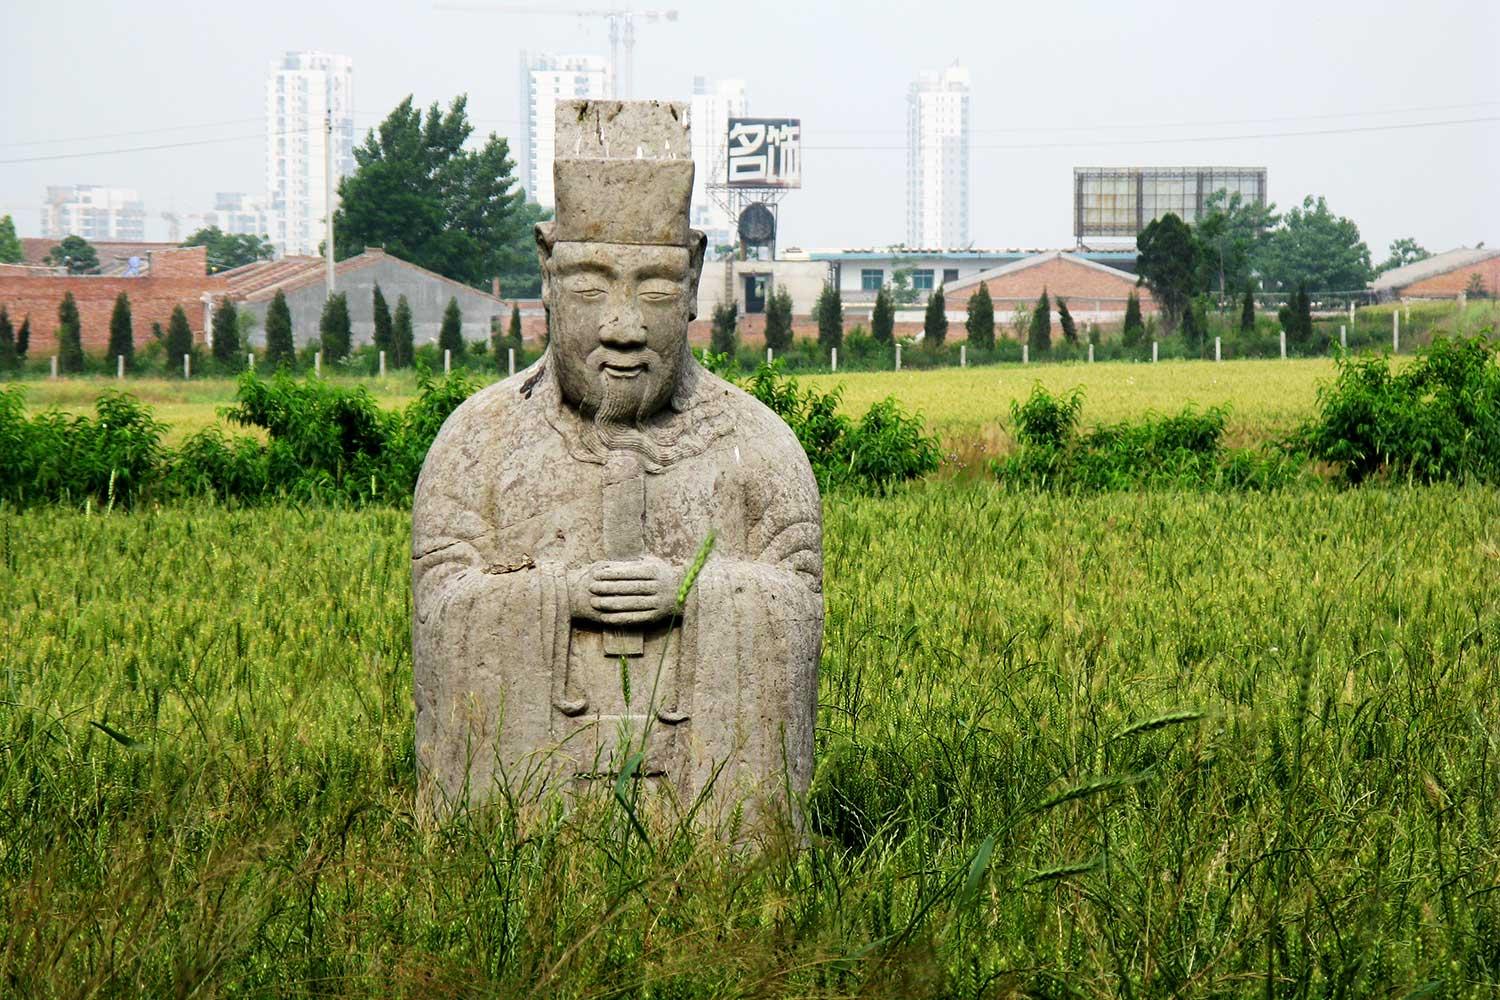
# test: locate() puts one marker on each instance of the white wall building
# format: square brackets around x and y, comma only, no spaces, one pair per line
[712,105]
[93,212]
[239,213]
[301,89]
[545,80]
[937,159]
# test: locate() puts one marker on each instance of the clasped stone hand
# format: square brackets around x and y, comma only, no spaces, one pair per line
[619,593]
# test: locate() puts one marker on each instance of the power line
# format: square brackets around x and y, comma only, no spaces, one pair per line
[119,135]
[164,145]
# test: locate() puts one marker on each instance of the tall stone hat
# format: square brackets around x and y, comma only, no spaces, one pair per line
[623,173]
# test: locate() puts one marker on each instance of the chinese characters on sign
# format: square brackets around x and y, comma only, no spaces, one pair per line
[765,152]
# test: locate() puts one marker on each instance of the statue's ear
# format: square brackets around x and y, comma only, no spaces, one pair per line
[697,247]
[544,240]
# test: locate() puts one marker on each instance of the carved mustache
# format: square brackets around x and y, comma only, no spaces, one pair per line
[639,359]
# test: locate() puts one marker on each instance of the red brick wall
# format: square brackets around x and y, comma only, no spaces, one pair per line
[1067,278]
[183,262]
[1447,286]
[151,300]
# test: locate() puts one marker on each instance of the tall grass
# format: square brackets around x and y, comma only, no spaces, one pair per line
[1141,745]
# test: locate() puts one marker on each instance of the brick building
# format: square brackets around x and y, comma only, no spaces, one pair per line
[171,277]
[1442,276]
[1095,293]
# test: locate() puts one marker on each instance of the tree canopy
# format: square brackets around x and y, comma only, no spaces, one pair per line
[227,250]
[779,320]
[935,320]
[1316,248]
[1403,251]
[830,310]
[883,317]
[980,324]
[10,244]
[417,192]
[1230,232]
[1168,260]
[76,254]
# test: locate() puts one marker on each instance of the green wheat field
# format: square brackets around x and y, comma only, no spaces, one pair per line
[1127,745]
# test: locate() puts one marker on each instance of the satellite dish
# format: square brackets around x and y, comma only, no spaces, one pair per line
[757,225]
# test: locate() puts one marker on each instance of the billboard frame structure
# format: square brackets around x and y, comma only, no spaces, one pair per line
[736,196]
[1124,200]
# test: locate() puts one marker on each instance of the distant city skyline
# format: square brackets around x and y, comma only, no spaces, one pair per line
[1406,153]
[304,88]
[937,159]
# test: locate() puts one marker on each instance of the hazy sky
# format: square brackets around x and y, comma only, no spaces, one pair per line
[1055,85]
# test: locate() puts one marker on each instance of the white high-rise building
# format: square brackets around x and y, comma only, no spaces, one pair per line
[545,80]
[302,88]
[713,104]
[93,212]
[937,159]
[238,213]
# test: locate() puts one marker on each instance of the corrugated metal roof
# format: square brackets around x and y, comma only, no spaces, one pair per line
[1442,263]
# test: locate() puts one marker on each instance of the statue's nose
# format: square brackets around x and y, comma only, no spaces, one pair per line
[623,328]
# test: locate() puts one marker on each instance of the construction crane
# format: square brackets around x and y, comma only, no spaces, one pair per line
[621,27]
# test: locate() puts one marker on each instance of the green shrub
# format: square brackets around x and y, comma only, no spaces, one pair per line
[114,458]
[1437,418]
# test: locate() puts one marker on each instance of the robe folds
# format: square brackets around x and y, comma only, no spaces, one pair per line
[515,696]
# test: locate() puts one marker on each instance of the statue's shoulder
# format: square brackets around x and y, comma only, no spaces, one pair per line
[754,423]
[499,410]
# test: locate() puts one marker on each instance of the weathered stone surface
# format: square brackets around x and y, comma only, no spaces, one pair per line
[559,510]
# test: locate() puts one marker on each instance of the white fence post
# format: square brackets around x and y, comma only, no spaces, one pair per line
[187,366]
[318,363]
[119,366]
[898,357]
[1025,354]
[1283,344]
[382,364]
[54,366]
[447,360]
[1395,333]
[1091,354]
[1343,336]
[510,359]
[250,362]
[833,355]
[963,355]
[1218,349]
[1154,345]
[770,355]
[1351,312]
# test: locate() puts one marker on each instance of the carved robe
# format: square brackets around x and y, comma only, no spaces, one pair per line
[511,690]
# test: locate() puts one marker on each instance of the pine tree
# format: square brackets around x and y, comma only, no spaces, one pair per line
[333,328]
[451,333]
[23,338]
[499,346]
[779,320]
[10,246]
[69,336]
[8,358]
[382,320]
[281,347]
[935,322]
[179,338]
[1193,327]
[1039,335]
[1135,328]
[401,334]
[725,337]
[883,318]
[1065,320]
[980,325]
[830,317]
[515,326]
[121,333]
[1247,311]
[1302,316]
[227,335]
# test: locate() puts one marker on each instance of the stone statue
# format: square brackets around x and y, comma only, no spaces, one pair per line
[558,511]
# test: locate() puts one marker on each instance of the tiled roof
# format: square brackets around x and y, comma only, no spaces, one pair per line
[1452,260]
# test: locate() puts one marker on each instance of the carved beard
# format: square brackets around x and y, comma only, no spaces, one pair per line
[617,424]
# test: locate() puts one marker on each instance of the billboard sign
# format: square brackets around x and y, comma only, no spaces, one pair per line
[1121,201]
[765,152]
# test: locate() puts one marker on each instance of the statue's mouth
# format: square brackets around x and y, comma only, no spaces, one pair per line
[623,369]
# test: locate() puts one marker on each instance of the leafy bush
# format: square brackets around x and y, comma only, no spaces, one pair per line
[1175,452]
[111,459]
[1438,418]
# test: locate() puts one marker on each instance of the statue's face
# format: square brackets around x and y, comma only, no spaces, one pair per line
[619,317]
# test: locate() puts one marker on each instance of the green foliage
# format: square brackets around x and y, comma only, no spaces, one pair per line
[1231,234]
[1436,418]
[902,289]
[779,320]
[1296,319]
[23,338]
[121,331]
[725,338]
[179,340]
[334,333]
[281,348]
[1247,311]
[1316,249]
[64,457]
[69,336]
[226,323]
[1405,250]
[883,448]
[514,333]
[401,334]
[1174,452]
[883,317]
[935,320]
[1194,327]
[76,254]
[1474,287]
[383,335]
[228,250]
[421,192]
[1039,333]
[10,245]
[1168,262]
[1065,320]
[830,316]
[980,324]
[1134,331]
[9,359]
[451,333]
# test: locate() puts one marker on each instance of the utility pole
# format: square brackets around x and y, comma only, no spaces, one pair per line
[328,195]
